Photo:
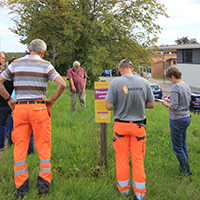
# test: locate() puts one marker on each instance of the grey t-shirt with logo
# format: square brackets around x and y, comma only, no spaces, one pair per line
[129,94]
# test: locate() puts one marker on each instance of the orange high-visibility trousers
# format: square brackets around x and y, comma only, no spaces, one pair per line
[130,136]
[27,117]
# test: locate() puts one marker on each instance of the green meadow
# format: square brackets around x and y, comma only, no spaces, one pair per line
[76,170]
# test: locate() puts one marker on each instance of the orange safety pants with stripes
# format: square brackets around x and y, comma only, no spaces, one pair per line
[130,136]
[27,117]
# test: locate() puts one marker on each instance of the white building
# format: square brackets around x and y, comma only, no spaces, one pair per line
[188,61]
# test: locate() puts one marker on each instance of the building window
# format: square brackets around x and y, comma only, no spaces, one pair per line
[187,56]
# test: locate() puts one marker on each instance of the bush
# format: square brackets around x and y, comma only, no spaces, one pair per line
[91,79]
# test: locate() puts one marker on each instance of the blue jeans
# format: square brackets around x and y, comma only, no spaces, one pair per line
[178,138]
[9,129]
[4,114]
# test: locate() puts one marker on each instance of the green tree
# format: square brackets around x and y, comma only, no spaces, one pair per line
[97,33]
[185,40]
[6,57]
[193,40]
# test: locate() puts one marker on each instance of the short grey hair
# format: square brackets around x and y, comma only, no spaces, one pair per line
[125,63]
[75,63]
[38,46]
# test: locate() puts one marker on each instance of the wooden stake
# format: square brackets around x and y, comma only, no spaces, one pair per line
[104,144]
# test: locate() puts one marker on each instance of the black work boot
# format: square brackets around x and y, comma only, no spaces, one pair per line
[44,186]
[22,190]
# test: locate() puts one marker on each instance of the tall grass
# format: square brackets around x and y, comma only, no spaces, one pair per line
[76,170]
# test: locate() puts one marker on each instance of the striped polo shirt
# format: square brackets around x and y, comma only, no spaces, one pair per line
[30,75]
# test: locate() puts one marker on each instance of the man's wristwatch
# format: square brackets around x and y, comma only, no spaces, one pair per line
[8,99]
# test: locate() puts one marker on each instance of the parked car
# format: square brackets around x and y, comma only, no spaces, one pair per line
[157,91]
[106,72]
[115,72]
[195,102]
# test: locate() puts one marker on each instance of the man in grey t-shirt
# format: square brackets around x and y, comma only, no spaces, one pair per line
[128,96]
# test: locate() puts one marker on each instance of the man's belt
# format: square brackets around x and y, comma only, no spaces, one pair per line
[136,122]
[29,102]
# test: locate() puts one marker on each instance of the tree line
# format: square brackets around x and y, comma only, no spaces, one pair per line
[97,33]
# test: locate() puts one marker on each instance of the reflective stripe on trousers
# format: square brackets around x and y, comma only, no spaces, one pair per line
[44,166]
[45,169]
[20,172]
[139,189]
[19,164]
[124,186]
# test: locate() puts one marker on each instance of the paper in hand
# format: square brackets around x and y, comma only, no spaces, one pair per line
[160,100]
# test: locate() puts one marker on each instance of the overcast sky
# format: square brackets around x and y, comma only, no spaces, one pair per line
[184,21]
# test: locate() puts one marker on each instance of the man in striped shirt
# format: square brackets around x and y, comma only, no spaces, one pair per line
[30,75]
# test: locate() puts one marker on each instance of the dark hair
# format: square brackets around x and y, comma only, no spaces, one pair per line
[10,60]
[125,63]
[173,71]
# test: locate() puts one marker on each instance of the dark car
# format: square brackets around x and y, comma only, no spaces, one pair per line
[157,91]
[115,72]
[195,102]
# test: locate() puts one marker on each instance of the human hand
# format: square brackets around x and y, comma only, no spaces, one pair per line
[49,102]
[73,89]
[11,103]
[166,100]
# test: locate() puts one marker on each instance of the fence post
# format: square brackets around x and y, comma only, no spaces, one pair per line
[104,144]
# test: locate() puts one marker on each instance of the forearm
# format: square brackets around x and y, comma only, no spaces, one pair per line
[166,104]
[3,92]
[60,89]
[109,106]
[85,80]
[71,82]
[150,105]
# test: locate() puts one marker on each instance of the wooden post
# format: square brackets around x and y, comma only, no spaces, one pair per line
[104,144]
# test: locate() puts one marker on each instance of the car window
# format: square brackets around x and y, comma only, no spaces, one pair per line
[155,87]
[197,98]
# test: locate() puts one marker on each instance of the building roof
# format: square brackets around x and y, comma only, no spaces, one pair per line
[174,47]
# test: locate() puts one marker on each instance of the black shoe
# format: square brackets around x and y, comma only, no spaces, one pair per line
[44,186]
[22,190]
[135,198]
[19,194]
[44,189]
